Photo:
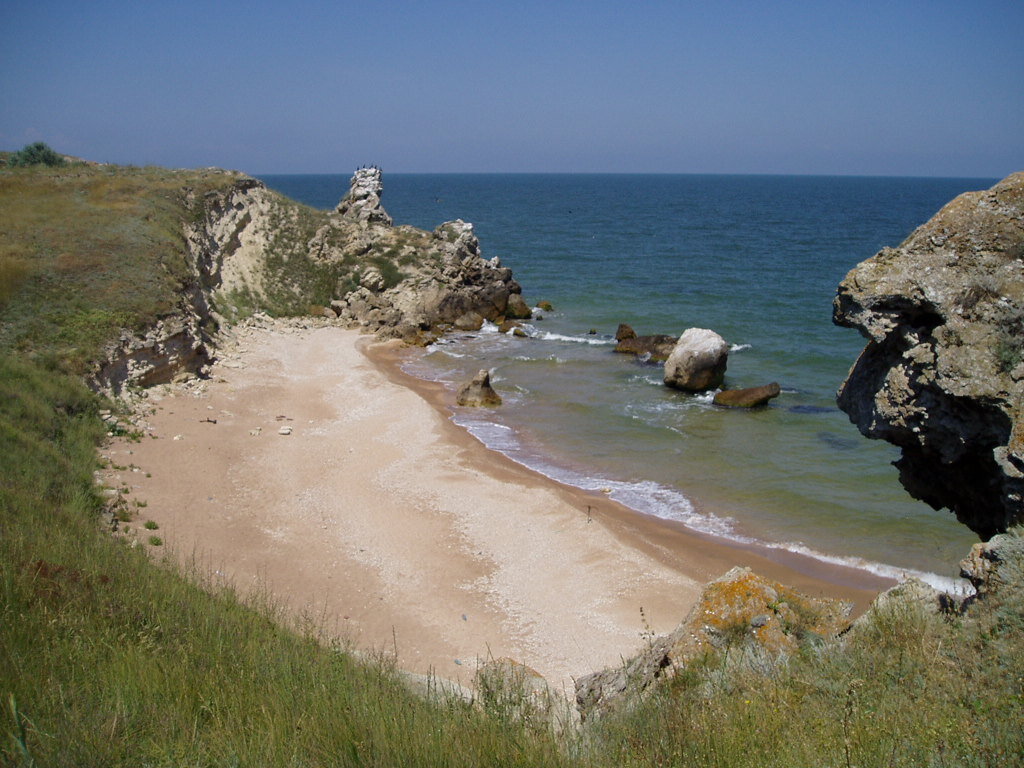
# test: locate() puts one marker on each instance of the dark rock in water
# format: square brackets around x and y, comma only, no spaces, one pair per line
[545,305]
[516,308]
[507,325]
[698,361]
[624,332]
[747,398]
[657,347]
[519,333]
[942,375]
[835,441]
[478,392]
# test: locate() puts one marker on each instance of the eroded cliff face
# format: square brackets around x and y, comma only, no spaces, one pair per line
[942,375]
[249,248]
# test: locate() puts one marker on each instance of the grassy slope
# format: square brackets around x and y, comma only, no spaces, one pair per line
[108,659]
[105,658]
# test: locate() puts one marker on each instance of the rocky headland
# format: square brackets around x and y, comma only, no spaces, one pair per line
[942,375]
[249,248]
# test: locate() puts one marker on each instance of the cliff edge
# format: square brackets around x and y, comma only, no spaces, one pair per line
[942,375]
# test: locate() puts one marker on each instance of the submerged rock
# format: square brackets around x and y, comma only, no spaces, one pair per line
[698,361]
[747,398]
[656,347]
[942,375]
[478,392]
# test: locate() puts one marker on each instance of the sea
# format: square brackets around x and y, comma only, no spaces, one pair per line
[755,258]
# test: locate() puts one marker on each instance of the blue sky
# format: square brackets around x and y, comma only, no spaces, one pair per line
[893,88]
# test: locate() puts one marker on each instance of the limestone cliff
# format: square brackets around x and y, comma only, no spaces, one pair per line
[249,248]
[942,375]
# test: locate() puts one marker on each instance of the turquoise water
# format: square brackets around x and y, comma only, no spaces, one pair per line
[756,258]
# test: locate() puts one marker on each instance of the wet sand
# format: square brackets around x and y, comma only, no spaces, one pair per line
[393,529]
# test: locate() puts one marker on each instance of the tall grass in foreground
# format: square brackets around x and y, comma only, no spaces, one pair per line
[109,660]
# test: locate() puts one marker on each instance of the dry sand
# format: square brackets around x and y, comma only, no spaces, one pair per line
[392,528]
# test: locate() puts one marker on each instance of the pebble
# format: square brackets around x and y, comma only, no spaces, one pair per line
[284,431]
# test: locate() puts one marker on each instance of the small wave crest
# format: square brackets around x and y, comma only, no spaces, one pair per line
[739,347]
[592,340]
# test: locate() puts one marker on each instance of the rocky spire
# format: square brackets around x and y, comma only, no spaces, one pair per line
[362,202]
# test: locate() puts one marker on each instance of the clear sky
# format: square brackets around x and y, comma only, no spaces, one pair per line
[893,88]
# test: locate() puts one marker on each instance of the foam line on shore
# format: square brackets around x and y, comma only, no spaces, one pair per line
[651,498]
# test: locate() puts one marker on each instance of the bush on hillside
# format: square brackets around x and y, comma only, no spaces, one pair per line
[39,153]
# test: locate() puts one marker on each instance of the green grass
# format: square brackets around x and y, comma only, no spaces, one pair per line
[87,251]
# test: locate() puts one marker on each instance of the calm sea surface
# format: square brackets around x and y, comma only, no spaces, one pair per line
[756,258]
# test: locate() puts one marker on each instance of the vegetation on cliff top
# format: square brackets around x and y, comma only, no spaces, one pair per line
[109,659]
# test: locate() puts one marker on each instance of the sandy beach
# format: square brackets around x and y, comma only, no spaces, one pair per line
[393,529]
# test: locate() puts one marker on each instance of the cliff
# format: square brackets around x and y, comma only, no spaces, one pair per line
[942,375]
[249,249]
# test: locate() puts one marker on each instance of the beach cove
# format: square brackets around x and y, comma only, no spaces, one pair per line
[309,468]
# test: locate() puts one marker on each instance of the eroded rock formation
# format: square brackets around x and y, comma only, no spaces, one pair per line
[249,248]
[478,392]
[942,375]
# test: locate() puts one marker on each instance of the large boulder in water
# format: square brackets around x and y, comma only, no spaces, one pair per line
[478,392]
[751,397]
[942,375]
[698,361]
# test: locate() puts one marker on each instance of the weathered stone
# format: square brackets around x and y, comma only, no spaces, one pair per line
[909,595]
[478,392]
[520,693]
[516,307]
[655,348]
[362,202]
[519,333]
[747,398]
[624,331]
[765,619]
[470,321]
[698,361]
[546,306]
[944,317]
[507,325]
[985,566]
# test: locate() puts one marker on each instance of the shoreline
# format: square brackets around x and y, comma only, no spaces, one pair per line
[657,536]
[384,524]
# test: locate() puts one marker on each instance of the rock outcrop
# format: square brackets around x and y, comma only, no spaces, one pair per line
[752,397]
[248,249]
[698,361]
[763,619]
[478,393]
[942,375]
[362,202]
[995,563]
[655,348]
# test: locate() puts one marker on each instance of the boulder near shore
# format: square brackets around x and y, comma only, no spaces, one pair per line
[698,361]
